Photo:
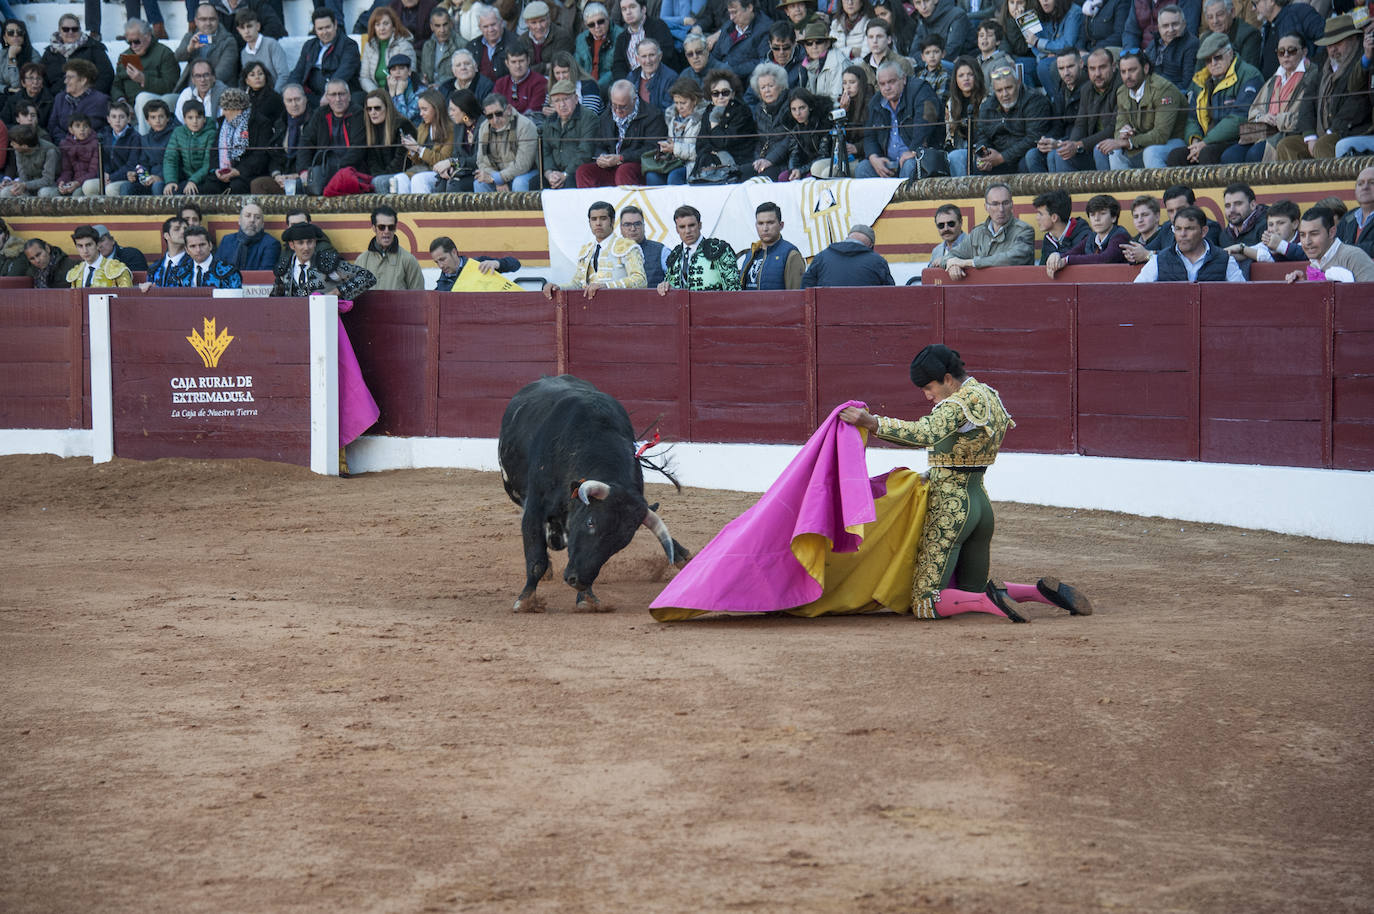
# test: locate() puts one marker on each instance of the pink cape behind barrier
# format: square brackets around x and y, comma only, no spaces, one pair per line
[357,409]
[751,565]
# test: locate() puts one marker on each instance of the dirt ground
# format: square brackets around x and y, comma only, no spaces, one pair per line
[235,686]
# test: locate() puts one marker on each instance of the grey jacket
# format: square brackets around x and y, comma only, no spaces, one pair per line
[1014,246]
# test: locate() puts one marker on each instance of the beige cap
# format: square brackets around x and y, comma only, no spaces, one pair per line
[536,10]
[562,87]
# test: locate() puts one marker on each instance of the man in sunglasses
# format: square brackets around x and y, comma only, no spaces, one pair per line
[393,265]
[949,224]
[1222,94]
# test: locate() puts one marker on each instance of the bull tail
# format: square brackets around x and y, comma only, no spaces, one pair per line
[663,468]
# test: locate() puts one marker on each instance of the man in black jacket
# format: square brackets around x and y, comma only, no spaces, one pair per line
[627,130]
[1010,122]
[904,120]
[333,140]
[329,55]
[48,265]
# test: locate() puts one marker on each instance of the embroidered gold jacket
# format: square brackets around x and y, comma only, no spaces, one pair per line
[964,430]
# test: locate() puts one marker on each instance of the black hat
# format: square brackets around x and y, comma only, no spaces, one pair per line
[302,231]
[933,363]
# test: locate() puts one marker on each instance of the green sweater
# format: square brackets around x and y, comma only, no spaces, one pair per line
[190,156]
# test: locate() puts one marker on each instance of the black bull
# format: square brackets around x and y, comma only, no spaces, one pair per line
[567,455]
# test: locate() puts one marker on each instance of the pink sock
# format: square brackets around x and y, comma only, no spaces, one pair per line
[1026,593]
[953,602]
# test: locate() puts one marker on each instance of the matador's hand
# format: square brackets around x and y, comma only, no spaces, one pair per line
[860,417]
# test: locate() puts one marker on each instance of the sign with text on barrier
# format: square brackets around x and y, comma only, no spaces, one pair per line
[216,378]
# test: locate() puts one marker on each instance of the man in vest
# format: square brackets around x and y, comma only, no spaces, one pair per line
[655,254]
[1192,258]
[771,262]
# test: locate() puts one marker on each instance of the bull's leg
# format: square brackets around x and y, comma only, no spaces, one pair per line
[536,561]
[680,554]
[588,602]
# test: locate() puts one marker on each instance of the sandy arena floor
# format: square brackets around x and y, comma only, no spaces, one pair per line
[237,687]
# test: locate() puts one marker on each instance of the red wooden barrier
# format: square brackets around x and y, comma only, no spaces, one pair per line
[42,376]
[864,343]
[1352,431]
[395,336]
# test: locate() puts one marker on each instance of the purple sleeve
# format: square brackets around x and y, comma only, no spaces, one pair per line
[1110,254]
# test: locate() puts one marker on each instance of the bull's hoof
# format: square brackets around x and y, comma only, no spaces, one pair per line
[529,604]
[588,602]
[548,574]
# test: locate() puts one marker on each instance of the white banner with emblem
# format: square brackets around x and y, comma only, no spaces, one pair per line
[815,213]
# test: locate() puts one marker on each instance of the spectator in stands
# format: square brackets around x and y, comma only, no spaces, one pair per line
[260,49]
[32,90]
[190,153]
[1178,196]
[1223,91]
[1284,17]
[1149,117]
[545,38]
[96,270]
[849,25]
[812,152]
[1009,124]
[286,143]
[1221,19]
[48,265]
[79,174]
[899,23]
[1329,259]
[131,257]
[1143,26]
[878,48]
[204,89]
[1103,244]
[1278,102]
[1104,23]
[250,248]
[797,14]
[1054,217]
[524,89]
[463,66]
[456,175]
[1001,241]
[1175,55]
[949,225]
[415,16]
[334,139]
[851,262]
[1150,236]
[429,153]
[655,253]
[774,143]
[1014,40]
[242,146]
[989,42]
[385,40]
[1245,221]
[566,136]
[966,94]
[1064,107]
[1061,27]
[69,44]
[903,124]
[627,130]
[18,51]
[697,263]
[772,262]
[680,16]
[1192,258]
[119,147]
[495,41]
[1279,240]
[174,240]
[728,130]
[651,79]
[78,98]
[265,100]
[200,268]
[594,48]
[436,54]
[327,56]
[383,127]
[36,162]
[784,51]
[144,172]
[856,98]
[210,42]
[565,68]
[677,153]
[1094,121]
[932,68]
[1357,227]
[637,26]
[822,69]
[608,261]
[450,263]
[394,267]
[1341,106]
[400,87]
[745,42]
[154,75]
[698,57]
[12,260]
[507,144]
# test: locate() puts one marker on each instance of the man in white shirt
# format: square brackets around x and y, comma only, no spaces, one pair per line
[1329,258]
[199,268]
[174,234]
[608,261]
[1191,259]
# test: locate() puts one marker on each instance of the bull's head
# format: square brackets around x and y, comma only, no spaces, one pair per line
[601,522]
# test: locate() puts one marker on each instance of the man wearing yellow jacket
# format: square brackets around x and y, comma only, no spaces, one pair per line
[95,269]
[1223,90]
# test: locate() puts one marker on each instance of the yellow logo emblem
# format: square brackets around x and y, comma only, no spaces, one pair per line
[210,346]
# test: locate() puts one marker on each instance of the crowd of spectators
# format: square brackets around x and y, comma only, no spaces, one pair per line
[549,94]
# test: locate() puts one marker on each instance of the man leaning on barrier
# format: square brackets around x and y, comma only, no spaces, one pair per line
[608,261]
[450,263]
[1192,258]
[1001,241]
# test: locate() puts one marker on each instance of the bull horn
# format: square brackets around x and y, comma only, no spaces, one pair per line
[660,530]
[592,489]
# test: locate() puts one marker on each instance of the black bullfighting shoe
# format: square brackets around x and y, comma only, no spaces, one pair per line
[1065,596]
[998,596]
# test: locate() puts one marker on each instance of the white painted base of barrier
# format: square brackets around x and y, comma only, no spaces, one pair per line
[64,442]
[1328,504]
